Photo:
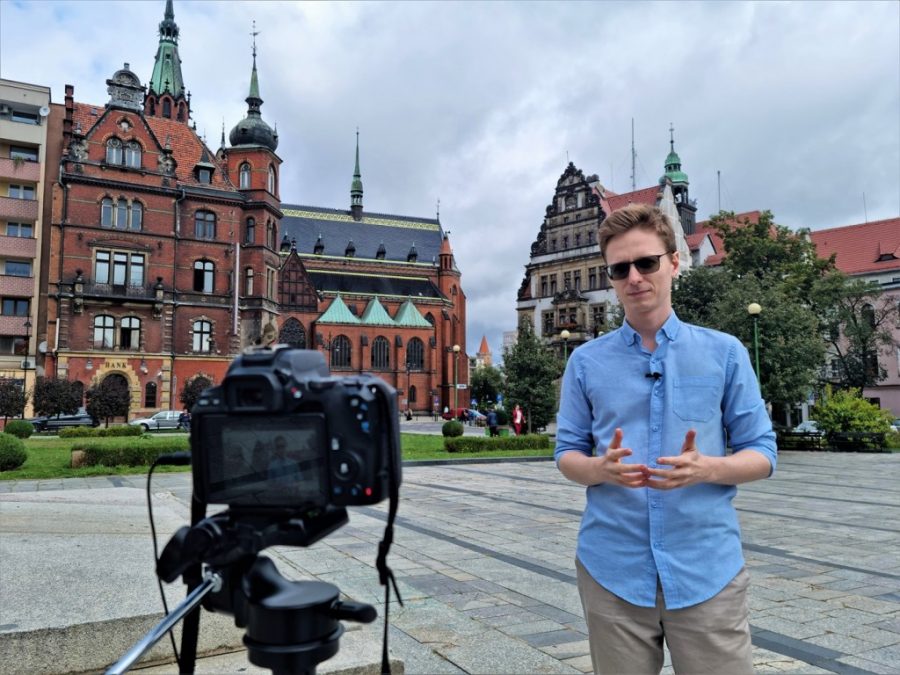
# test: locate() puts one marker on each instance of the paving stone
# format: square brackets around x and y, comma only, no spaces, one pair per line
[530,628]
[868,666]
[581,663]
[567,650]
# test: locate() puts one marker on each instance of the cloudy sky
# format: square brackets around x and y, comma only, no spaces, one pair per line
[479,104]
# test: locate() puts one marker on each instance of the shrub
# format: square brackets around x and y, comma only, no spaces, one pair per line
[132,455]
[848,412]
[19,428]
[502,417]
[100,432]
[480,443]
[12,452]
[452,428]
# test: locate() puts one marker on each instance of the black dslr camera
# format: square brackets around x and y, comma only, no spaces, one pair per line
[280,433]
[286,448]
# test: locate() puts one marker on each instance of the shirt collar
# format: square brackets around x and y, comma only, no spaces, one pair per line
[669,329]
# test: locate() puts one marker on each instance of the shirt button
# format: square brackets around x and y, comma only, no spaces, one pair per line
[655,427]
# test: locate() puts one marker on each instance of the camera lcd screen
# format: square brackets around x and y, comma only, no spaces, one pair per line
[266,460]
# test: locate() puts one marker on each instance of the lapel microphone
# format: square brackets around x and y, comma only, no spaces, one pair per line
[655,376]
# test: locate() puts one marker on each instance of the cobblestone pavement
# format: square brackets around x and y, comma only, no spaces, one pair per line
[484,558]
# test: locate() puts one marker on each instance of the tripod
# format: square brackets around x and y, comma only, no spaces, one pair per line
[292,626]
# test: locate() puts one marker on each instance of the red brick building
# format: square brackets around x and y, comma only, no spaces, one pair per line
[166,259]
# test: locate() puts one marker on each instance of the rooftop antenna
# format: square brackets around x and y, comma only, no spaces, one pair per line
[567,157]
[439,208]
[865,210]
[633,158]
[719,188]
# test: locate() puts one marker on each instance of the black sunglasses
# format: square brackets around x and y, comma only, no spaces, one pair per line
[646,265]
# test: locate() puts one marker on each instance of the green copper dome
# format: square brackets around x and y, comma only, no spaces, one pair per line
[673,165]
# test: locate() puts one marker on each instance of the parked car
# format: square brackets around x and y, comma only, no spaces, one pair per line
[808,427]
[453,413]
[895,425]
[166,419]
[478,418]
[79,419]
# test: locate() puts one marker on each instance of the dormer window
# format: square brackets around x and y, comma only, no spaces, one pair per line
[204,176]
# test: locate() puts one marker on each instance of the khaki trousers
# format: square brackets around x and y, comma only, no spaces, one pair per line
[712,637]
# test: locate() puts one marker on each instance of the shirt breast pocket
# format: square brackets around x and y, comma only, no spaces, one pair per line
[696,399]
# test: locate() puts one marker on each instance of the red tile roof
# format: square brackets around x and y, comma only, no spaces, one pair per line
[862,248]
[644,196]
[187,146]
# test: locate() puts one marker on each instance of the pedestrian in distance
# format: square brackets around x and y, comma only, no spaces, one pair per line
[492,423]
[644,414]
[184,420]
[518,418]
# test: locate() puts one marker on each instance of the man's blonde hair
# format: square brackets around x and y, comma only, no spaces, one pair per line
[640,216]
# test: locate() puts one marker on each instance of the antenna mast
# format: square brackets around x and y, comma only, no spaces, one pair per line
[633,157]
[865,210]
[719,188]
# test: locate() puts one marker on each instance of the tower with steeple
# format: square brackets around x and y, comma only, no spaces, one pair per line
[166,95]
[687,209]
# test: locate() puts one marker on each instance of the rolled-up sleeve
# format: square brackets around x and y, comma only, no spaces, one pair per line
[574,419]
[743,409]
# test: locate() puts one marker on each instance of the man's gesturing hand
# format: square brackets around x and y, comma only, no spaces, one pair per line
[688,468]
[612,470]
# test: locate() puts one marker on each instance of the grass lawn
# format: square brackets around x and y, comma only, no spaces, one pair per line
[50,457]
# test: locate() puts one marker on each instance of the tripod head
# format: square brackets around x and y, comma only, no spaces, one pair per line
[292,626]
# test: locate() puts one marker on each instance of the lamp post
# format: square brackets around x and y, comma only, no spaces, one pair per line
[25,361]
[408,413]
[455,378]
[753,309]
[565,335]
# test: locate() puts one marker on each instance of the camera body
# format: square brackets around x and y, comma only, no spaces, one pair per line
[281,433]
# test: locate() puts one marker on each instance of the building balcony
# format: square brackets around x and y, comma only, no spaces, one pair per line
[22,287]
[118,291]
[18,247]
[13,325]
[20,170]
[18,209]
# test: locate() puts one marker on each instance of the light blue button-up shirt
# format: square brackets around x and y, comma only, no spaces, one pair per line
[689,537]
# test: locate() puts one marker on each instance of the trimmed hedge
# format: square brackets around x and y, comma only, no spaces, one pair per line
[480,443]
[12,452]
[19,428]
[100,432]
[132,455]
[452,428]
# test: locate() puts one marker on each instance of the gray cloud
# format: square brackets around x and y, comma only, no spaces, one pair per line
[478,104]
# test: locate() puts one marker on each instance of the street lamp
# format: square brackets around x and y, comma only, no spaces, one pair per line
[455,378]
[25,361]
[753,309]
[565,335]
[408,413]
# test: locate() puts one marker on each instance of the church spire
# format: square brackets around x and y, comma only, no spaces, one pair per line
[166,95]
[356,187]
[253,130]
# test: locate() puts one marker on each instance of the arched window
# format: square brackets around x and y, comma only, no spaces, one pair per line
[204,276]
[202,336]
[868,315]
[113,151]
[167,108]
[430,318]
[205,225]
[250,231]
[412,394]
[415,354]
[381,353]
[106,212]
[292,334]
[340,352]
[245,176]
[248,281]
[133,155]
[271,234]
[121,215]
[271,184]
[130,333]
[137,216]
[150,395]
[104,327]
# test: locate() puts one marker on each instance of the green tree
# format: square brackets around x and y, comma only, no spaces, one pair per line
[13,398]
[486,382]
[109,398]
[56,396]
[192,390]
[842,411]
[777,268]
[531,370]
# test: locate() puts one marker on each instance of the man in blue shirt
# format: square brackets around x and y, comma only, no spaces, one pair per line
[645,414]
